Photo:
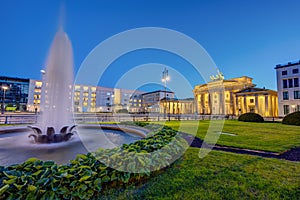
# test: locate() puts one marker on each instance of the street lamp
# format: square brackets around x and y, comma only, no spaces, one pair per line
[4,88]
[165,78]
[293,108]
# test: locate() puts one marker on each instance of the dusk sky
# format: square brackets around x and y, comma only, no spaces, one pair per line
[242,37]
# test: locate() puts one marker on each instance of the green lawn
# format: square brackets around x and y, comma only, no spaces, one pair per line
[275,137]
[220,175]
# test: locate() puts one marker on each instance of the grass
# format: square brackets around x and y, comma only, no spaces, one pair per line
[274,137]
[220,175]
[223,175]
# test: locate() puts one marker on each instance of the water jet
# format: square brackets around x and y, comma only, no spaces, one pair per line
[54,122]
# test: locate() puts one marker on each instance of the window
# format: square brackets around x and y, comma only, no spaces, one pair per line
[290,83]
[296,94]
[296,82]
[286,109]
[298,108]
[251,100]
[295,71]
[285,83]
[285,95]
[85,88]
[284,73]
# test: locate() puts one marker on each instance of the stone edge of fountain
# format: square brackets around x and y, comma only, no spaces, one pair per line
[11,129]
[139,131]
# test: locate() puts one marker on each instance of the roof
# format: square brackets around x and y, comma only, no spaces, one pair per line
[156,92]
[253,89]
[6,78]
[289,64]
[176,99]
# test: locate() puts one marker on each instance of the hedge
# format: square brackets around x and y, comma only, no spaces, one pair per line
[251,117]
[292,119]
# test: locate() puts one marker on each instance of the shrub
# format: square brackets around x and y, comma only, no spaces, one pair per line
[251,117]
[87,175]
[292,119]
[136,123]
[122,111]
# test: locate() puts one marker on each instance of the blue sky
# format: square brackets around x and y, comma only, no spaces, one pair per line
[242,37]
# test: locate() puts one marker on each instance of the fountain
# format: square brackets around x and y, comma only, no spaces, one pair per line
[54,123]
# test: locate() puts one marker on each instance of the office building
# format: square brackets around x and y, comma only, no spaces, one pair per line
[14,93]
[288,76]
[86,98]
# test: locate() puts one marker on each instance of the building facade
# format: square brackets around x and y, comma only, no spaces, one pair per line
[288,76]
[161,102]
[234,97]
[15,95]
[257,100]
[178,106]
[86,98]
[151,100]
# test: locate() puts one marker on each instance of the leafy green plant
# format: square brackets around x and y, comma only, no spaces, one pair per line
[136,123]
[292,119]
[251,117]
[88,175]
[164,145]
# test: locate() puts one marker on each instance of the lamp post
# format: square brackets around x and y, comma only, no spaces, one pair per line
[165,78]
[4,88]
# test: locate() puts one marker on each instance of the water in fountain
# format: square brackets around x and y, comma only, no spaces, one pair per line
[57,89]
[57,84]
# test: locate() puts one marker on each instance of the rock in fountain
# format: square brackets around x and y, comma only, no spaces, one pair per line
[56,99]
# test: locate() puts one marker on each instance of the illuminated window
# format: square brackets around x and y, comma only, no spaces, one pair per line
[93,89]
[37,90]
[85,88]
[38,84]
[77,87]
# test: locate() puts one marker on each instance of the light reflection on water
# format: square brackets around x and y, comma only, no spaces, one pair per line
[17,147]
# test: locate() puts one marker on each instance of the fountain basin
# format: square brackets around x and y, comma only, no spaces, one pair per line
[15,147]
